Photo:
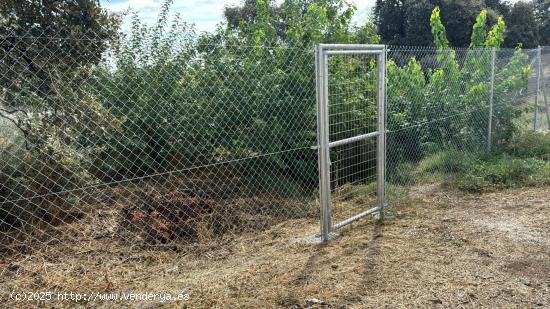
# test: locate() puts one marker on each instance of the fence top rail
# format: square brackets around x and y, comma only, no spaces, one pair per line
[353,52]
[403,48]
[352,46]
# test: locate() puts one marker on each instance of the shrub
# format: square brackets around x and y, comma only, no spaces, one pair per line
[530,145]
[505,172]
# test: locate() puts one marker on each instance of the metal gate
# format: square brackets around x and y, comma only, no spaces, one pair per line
[351,133]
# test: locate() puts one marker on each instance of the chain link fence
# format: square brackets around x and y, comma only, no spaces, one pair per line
[129,147]
[167,145]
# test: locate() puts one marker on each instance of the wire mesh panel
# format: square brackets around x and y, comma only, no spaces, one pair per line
[352,112]
[350,119]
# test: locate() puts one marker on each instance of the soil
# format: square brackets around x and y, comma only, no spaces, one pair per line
[442,248]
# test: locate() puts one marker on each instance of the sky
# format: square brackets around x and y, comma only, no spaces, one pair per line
[205,14]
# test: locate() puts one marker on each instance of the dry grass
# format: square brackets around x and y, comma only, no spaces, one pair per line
[442,249]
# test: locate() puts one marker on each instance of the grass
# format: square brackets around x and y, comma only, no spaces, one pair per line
[439,166]
[505,172]
[433,252]
[524,162]
[530,146]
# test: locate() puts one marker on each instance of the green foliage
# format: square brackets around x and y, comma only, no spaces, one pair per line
[174,101]
[310,27]
[542,19]
[406,22]
[446,162]
[50,51]
[525,162]
[32,53]
[321,21]
[263,31]
[239,92]
[479,31]
[442,165]
[496,35]
[299,23]
[530,145]
[406,88]
[147,90]
[525,28]
[459,91]
[367,34]
[438,30]
[504,172]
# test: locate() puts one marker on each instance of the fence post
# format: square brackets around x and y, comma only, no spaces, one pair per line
[381,142]
[321,64]
[537,91]
[491,98]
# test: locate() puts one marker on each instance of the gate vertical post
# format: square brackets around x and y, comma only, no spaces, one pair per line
[381,140]
[321,64]
[491,99]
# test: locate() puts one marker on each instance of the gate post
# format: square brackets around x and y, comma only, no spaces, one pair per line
[381,141]
[321,64]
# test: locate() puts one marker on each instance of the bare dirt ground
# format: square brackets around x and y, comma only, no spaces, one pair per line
[441,249]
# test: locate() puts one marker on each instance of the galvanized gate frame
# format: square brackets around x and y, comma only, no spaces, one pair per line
[322,55]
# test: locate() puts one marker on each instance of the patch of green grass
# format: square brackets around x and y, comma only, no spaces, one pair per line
[504,172]
[437,166]
[403,174]
[530,145]
[446,162]
[524,162]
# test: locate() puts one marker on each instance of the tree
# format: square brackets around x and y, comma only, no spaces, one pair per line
[459,16]
[452,87]
[390,19]
[273,55]
[48,52]
[542,16]
[406,22]
[233,15]
[44,39]
[497,8]
[247,13]
[296,21]
[417,25]
[523,26]
[84,27]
